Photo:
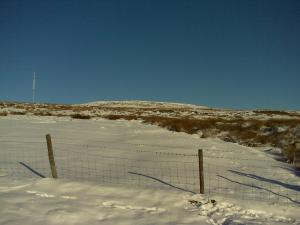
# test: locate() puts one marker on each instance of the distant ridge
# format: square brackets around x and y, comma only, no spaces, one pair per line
[143,104]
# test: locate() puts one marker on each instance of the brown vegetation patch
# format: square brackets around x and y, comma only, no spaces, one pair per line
[3,113]
[275,112]
[118,117]
[42,113]
[59,107]
[17,113]
[80,116]
[188,125]
[282,122]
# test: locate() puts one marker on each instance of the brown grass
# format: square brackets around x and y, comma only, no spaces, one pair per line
[42,113]
[247,135]
[282,122]
[80,116]
[3,113]
[275,112]
[59,107]
[188,125]
[124,117]
[17,113]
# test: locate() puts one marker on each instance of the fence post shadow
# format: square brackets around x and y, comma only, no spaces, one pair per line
[32,170]
[161,181]
[260,188]
[256,177]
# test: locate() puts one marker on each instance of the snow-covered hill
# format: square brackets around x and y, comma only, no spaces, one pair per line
[128,172]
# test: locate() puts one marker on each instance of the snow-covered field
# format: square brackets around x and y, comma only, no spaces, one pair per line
[127,172]
[48,201]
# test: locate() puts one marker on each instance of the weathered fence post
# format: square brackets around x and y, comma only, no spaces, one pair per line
[201,174]
[51,156]
[297,155]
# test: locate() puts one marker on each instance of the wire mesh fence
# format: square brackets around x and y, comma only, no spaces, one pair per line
[226,174]
[252,178]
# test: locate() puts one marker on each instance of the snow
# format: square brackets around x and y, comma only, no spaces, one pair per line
[63,202]
[258,189]
[51,201]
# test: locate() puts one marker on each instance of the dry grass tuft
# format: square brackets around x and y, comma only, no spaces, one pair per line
[55,107]
[187,125]
[118,117]
[270,112]
[42,113]
[17,113]
[275,112]
[3,113]
[80,116]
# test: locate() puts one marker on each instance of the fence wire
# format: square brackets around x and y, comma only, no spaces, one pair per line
[226,174]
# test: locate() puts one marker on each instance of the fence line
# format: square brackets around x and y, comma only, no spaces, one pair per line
[266,180]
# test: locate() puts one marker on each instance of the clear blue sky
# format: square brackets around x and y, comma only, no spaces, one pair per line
[232,54]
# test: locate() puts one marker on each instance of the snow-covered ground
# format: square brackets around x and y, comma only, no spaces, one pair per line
[49,201]
[128,172]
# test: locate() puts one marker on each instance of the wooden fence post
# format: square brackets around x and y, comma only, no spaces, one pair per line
[201,174]
[51,156]
[297,155]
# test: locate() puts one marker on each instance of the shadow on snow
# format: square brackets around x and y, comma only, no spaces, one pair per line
[32,170]
[161,181]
